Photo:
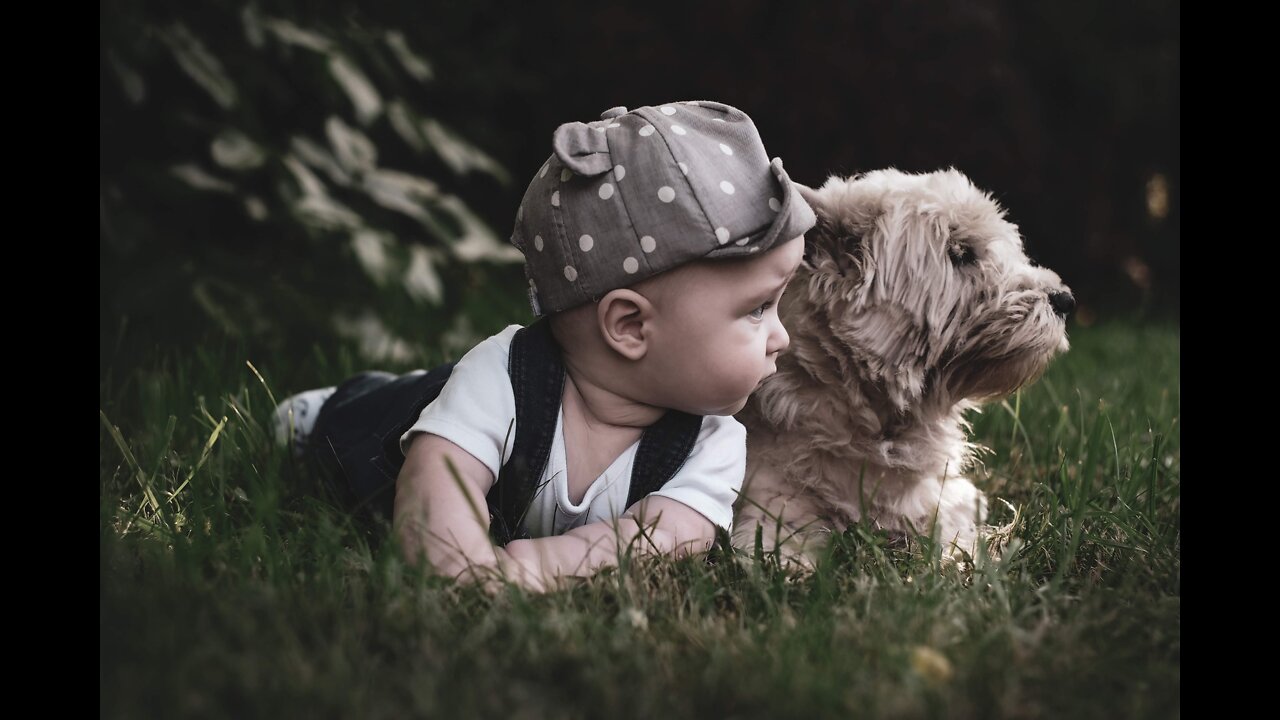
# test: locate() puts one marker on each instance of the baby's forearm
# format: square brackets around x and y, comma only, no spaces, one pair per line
[440,509]
[441,530]
[584,551]
[581,553]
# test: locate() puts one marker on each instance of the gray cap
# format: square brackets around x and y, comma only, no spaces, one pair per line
[643,191]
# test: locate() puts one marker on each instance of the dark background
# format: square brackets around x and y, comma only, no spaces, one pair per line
[1068,113]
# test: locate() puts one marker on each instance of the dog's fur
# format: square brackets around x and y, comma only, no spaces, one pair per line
[915,303]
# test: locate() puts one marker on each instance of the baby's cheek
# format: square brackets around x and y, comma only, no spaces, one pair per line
[744,371]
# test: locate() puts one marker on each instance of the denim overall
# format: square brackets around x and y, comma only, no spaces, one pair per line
[356,440]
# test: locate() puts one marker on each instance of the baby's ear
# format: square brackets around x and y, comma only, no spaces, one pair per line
[621,316]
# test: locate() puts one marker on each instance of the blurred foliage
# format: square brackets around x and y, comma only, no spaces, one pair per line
[249,162]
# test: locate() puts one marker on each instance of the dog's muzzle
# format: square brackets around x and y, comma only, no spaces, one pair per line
[1062,303]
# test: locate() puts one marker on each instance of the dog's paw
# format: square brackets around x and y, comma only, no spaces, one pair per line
[998,538]
[962,508]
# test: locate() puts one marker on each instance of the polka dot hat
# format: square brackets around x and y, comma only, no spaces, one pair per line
[646,190]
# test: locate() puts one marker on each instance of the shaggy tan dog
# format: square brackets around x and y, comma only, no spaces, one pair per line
[915,303]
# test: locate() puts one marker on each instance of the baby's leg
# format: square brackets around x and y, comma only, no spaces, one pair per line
[354,446]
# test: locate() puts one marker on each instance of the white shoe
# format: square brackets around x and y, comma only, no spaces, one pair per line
[296,416]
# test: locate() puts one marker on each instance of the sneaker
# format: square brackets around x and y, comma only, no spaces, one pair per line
[295,418]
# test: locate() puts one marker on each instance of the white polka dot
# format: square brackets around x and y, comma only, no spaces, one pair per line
[668,110]
[598,129]
[630,265]
[774,205]
[544,169]
[570,274]
[717,119]
[666,194]
[606,191]
[537,242]
[555,199]
[678,130]
[741,242]
[683,168]
[647,243]
[646,131]
[619,172]
[726,149]
[694,103]
[613,125]
[520,212]
[565,174]
[754,248]
[727,187]
[586,243]
[722,234]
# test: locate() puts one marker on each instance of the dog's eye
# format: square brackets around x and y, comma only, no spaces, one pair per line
[962,254]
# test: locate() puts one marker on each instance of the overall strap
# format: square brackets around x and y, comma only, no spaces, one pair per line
[537,381]
[663,449]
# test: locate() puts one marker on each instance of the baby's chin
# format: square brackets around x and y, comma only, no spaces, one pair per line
[733,409]
[730,406]
[737,406]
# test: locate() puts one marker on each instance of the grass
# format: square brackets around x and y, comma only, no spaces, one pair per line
[228,589]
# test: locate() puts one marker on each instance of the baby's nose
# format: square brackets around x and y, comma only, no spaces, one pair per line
[780,340]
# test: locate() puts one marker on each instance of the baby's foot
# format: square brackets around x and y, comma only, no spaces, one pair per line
[298,413]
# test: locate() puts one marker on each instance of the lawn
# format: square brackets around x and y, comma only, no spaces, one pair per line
[228,589]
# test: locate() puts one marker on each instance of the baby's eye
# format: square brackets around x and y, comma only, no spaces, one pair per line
[759,312]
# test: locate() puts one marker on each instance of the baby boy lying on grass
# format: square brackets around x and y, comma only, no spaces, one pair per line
[657,244]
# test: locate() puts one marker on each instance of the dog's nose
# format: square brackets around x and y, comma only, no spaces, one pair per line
[1063,303]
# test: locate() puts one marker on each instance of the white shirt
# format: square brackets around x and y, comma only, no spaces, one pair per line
[476,410]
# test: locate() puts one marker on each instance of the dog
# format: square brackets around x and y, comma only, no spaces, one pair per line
[915,304]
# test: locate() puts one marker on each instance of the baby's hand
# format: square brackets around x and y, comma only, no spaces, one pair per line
[520,570]
[494,578]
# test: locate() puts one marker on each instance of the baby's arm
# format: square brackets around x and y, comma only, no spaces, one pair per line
[655,525]
[677,520]
[440,513]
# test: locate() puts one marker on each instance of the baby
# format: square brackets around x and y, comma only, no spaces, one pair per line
[657,244]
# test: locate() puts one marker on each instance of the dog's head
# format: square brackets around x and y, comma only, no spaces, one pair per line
[925,286]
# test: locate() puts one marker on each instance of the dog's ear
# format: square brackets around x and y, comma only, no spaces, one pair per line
[809,194]
[831,248]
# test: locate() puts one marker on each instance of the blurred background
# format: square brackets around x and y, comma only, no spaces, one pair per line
[286,180]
